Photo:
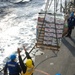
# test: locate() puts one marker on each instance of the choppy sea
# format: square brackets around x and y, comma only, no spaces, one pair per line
[18,23]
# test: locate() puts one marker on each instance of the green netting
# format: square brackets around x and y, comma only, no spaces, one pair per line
[66,25]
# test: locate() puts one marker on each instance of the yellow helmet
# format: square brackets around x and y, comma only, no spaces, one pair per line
[29,63]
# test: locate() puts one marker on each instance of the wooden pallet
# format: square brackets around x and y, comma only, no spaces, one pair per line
[48,47]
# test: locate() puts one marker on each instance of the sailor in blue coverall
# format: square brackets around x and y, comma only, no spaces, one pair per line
[12,66]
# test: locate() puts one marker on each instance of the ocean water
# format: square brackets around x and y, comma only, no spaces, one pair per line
[18,27]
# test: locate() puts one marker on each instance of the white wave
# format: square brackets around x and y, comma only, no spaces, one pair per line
[19,27]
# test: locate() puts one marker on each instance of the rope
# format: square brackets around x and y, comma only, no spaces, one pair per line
[47,4]
[57,3]
[55,8]
[30,52]
[50,4]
